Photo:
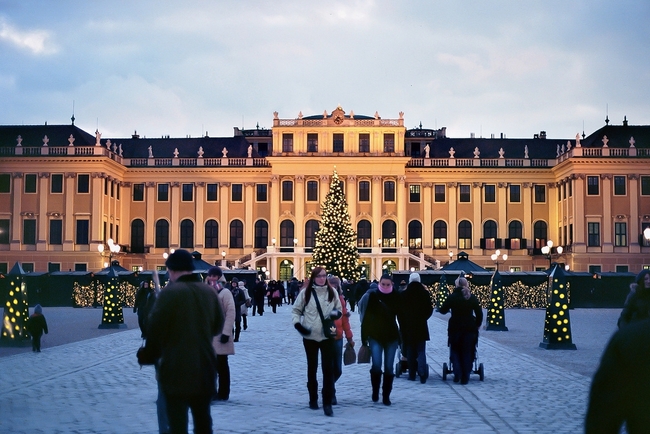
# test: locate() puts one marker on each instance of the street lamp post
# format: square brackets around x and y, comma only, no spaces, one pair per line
[113,248]
[547,251]
[498,258]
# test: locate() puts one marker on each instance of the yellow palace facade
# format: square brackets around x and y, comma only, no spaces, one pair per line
[416,197]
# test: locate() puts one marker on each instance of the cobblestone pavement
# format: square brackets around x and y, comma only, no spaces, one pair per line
[96,386]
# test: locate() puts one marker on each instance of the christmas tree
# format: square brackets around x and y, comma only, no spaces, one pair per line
[336,248]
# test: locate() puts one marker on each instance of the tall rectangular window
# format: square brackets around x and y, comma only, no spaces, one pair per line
[287,191]
[389,142]
[56,183]
[414,193]
[138,192]
[464,191]
[620,186]
[287,142]
[187,193]
[593,186]
[82,231]
[440,193]
[338,143]
[5,183]
[364,142]
[236,193]
[29,231]
[645,185]
[261,192]
[105,185]
[4,231]
[540,193]
[312,142]
[620,234]
[83,183]
[30,183]
[593,234]
[163,192]
[515,193]
[389,191]
[211,191]
[56,231]
[489,193]
[312,191]
[570,187]
[364,191]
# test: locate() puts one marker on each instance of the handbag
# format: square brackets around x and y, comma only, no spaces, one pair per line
[364,354]
[349,356]
[329,328]
[147,355]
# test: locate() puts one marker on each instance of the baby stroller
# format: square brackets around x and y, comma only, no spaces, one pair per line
[478,367]
[402,363]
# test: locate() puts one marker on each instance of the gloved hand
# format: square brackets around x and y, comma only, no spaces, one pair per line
[336,314]
[224,339]
[302,329]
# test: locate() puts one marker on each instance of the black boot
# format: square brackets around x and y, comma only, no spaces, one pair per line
[387,388]
[375,380]
[237,332]
[312,388]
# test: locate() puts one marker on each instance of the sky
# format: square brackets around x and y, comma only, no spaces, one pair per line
[186,68]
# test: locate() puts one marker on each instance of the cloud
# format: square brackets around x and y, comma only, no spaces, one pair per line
[36,41]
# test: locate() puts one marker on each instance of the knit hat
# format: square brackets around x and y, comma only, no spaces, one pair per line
[241,284]
[180,260]
[215,271]
[414,277]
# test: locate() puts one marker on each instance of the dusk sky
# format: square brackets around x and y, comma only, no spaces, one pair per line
[184,68]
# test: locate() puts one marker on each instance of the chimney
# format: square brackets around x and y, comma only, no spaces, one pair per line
[135,135]
[542,134]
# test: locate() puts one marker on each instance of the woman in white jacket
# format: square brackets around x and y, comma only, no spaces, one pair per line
[314,340]
[223,342]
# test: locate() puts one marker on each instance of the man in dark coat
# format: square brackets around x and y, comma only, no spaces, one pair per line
[416,309]
[144,301]
[181,325]
[619,391]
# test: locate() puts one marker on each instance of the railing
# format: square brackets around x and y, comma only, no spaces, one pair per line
[539,162]
[464,162]
[592,152]
[489,162]
[619,152]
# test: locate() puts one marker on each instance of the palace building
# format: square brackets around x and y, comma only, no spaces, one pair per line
[416,197]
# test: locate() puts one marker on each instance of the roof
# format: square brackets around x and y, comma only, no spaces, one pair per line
[618,136]
[33,135]
[462,263]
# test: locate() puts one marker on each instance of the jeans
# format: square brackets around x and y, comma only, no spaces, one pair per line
[326,348]
[177,407]
[161,409]
[416,357]
[387,350]
[338,359]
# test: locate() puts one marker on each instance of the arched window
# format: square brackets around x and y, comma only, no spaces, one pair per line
[137,236]
[286,270]
[440,235]
[364,234]
[261,234]
[162,234]
[187,234]
[286,233]
[515,235]
[311,227]
[489,235]
[388,266]
[540,233]
[236,234]
[464,235]
[415,234]
[389,234]
[211,234]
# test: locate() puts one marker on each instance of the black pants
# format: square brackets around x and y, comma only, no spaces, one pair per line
[223,374]
[326,349]
[177,407]
[463,345]
[36,343]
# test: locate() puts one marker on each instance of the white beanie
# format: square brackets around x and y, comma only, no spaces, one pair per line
[414,277]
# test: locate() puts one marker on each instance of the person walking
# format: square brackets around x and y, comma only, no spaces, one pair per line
[144,301]
[637,304]
[223,342]
[307,320]
[36,326]
[259,291]
[342,328]
[416,309]
[240,300]
[246,305]
[462,330]
[379,308]
[185,317]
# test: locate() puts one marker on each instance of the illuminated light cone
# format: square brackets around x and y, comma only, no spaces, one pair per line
[557,324]
[443,291]
[16,308]
[112,314]
[496,317]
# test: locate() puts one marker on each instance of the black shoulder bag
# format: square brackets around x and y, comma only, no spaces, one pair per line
[329,329]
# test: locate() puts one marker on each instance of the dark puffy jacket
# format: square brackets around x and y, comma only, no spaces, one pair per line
[416,309]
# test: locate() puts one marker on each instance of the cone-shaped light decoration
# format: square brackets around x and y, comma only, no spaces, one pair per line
[496,317]
[16,306]
[443,291]
[112,315]
[557,325]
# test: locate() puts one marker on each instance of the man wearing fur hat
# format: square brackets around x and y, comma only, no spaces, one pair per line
[416,310]
[181,325]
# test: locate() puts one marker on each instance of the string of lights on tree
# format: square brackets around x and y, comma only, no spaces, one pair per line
[92,295]
[16,309]
[335,248]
